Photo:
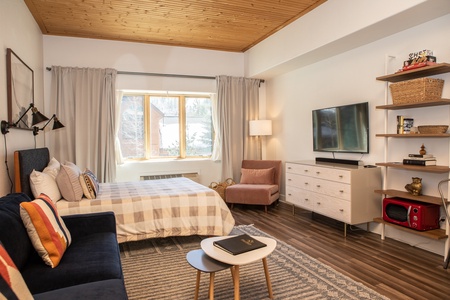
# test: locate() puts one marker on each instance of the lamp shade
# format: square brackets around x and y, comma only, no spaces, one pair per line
[57,124]
[260,127]
[38,117]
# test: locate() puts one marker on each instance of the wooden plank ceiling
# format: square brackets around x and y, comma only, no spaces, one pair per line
[228,25]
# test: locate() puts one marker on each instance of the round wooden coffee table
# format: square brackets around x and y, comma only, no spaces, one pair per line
[241,259]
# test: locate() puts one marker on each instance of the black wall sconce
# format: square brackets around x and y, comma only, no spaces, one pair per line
[37,118]
[56,125]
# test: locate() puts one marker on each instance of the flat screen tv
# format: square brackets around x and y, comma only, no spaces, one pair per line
[342,128]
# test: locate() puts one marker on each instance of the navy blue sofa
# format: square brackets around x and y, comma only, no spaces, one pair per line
[90,268]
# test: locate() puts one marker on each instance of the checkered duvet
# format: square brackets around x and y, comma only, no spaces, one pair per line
[158,208]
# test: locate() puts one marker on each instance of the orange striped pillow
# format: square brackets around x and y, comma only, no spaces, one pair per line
[12,286]
[46,229]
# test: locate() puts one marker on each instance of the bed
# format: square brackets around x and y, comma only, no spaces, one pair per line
[143,209]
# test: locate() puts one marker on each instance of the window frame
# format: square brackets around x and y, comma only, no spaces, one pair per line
[181,121]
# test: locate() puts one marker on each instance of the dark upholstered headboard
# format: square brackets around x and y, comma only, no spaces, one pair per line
[25,161]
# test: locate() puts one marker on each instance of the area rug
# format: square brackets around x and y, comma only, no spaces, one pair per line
[157,269]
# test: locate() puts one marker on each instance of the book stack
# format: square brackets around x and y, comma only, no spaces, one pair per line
[420,160]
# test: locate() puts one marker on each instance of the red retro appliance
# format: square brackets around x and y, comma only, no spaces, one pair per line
[412,214]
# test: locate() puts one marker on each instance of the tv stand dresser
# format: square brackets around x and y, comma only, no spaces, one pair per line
[338,191]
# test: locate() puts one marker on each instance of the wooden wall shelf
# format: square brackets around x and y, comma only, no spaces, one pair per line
[443,101]
[417,73]
[406,195]
[436,234]
[429,169]
[427,135]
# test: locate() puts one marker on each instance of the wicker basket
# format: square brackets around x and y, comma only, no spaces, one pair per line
[432,129]
[417,90]
[221,187]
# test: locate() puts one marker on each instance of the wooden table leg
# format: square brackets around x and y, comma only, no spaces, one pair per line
[211,285]
[236,282]
[197,285]
[266,272]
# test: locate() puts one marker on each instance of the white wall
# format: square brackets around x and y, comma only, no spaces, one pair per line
[137,57]
[335,27]
[349,78]
[21,34]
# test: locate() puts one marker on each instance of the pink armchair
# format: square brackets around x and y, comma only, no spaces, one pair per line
[259,184]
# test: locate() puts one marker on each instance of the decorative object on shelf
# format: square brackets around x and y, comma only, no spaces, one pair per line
[221,187]
[404,124]
[419,59]
[416,90]
[407,124]
[400,124]
[422,150]
[414,130]
[415,187]
[433,129]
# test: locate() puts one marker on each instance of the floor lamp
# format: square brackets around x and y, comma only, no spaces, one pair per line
[260,128]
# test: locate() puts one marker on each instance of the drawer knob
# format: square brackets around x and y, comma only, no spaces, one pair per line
[289,194]
[306,199]
[341,176]
[306,183]
[289,168]
[341,210]
[341,191]
[317,172]
[318,203]
[306,171]
[318,185]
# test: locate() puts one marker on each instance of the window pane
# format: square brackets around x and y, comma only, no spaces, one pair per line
[164,126]
[131,132]
[199,129]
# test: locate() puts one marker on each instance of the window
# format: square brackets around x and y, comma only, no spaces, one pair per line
[169,125]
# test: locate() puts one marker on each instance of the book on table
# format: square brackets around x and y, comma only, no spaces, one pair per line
[239,244]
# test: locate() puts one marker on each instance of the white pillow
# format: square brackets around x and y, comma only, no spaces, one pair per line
[52,168]
[44,183]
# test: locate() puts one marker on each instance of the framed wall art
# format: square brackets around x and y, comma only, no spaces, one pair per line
[20,90]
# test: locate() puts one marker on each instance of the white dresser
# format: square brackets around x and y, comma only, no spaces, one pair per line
[342,192]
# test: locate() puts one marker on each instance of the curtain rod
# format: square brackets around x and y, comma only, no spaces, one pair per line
[163,75]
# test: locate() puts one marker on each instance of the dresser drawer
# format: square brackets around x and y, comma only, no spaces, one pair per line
[331,188]
[295,168]
[317,185]
[334,208]
[299,197]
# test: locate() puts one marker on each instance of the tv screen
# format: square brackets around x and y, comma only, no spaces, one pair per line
[342,128]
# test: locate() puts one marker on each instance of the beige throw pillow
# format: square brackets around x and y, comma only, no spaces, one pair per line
[69,183]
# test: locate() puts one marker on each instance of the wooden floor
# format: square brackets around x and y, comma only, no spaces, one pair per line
[391,268]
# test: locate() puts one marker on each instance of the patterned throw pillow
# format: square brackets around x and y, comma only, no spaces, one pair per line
[12,285]
[89,183]
[46,229]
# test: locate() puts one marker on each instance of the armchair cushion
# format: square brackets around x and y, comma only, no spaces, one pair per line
[260,194]
[257,176]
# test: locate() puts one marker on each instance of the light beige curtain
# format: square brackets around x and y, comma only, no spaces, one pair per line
[237,104]
[84,100]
